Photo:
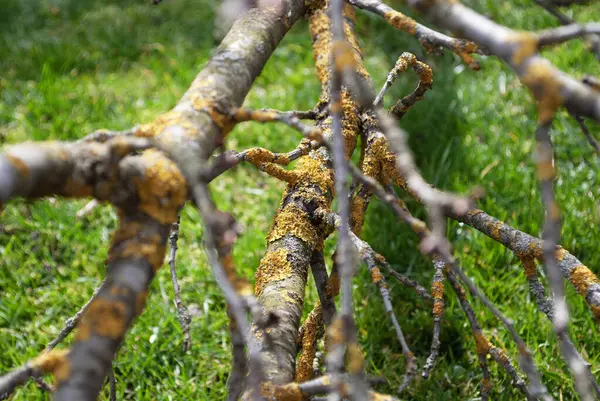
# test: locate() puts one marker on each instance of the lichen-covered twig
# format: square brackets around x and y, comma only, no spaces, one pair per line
[53,361]
[428,38]
[437,292]
[182,314]
[484,346]
[551,87]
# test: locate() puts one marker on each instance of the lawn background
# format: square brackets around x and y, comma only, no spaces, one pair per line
[68,67]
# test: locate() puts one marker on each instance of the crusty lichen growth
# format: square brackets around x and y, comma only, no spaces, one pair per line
[401,22]
[55,362]
[355,358]
[526,44]
[131,241]
[162,190]
[273,267]
[292,220]
[437,292]
[529,266]
[17,163]
[546,88]
[104,317]
[287,392]
[169,119]
[313,326]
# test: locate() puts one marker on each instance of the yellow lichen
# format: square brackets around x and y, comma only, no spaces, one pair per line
[55,362]
[150,248]
[401,21]
[313,171]
[527,45]
[76,188]
[222,120]
[482,344]
[546,87]
[286,392]
[162,190]
[18,164]
[582,278]
[171,118]
[140,302]
[529,266]
[312,325]
[358,207]
[274,266]
[104,317]
[355,359]
[376,275]
[295,222]
[321,35]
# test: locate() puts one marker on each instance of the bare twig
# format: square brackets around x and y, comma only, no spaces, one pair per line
[182,314]
[72,322]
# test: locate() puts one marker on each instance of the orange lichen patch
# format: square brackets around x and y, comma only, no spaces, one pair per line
[465,49]
[332,288]
[163,189]
[374,396]
[312,327]
[482,344]
[152,249]
[438,308]
[313,171]
[355,358]
[171,118]
[401,21]
[376,275]
[55,362]
[495,229]
[527,45]
[261,116]
[274,266]
[278,172]
[582,278]
[529,266]
[104,317]
[18,164]
[262,155]
[48,362]
[546,87]
[140,302]
[437,290]
[287,392]
[77,189]
[335,332]
[293,221]
[344,57]
[222,120]
[544,170]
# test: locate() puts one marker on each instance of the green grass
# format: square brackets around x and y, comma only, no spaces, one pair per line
[68,67]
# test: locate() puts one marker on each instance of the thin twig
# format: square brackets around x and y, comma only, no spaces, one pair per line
[182,314]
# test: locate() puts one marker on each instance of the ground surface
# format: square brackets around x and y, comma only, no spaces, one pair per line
[68,67]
